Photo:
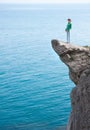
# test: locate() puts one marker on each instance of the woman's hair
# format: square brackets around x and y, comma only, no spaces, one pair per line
[69,19]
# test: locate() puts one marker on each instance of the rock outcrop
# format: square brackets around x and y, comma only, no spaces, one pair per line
[77,58]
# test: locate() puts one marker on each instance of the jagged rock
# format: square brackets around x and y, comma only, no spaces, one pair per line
[77,58]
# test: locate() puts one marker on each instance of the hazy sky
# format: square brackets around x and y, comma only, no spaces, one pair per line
[44,1]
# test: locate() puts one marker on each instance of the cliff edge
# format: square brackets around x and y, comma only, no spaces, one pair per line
[77,59]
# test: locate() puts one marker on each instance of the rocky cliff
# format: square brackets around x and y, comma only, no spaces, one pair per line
[77,59]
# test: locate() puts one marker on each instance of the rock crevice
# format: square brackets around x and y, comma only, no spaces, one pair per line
[77,59]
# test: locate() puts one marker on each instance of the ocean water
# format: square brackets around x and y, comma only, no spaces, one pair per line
[34,84]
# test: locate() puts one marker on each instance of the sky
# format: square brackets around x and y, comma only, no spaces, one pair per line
[44,1]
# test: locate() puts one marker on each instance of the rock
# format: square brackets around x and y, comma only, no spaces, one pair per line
[77,58]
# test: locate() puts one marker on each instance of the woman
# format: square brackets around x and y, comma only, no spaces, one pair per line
[68,28]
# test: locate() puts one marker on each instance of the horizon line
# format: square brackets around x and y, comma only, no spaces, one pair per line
[45,3]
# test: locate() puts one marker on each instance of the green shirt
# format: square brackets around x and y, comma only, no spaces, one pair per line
[69,26]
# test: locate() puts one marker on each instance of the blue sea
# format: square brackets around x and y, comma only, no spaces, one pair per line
[34,83]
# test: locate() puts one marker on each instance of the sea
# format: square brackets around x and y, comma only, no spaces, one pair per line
[34,83]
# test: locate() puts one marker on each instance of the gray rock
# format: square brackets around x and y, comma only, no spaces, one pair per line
[77,58]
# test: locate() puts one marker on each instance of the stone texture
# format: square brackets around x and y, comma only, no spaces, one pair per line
[77,58]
